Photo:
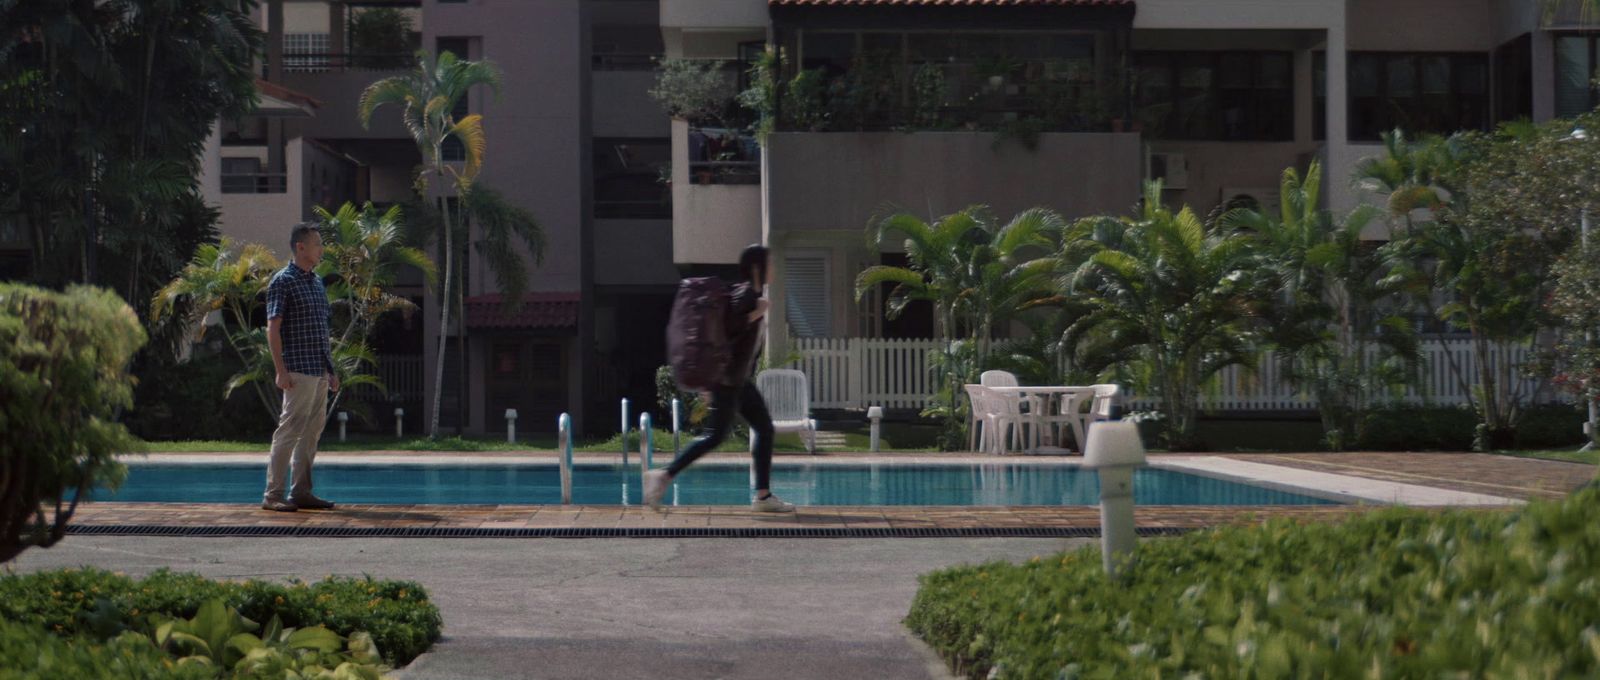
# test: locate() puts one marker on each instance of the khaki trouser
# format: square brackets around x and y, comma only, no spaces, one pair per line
[299,428]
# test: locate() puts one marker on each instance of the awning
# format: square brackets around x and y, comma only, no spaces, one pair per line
[277,101]
[539,311]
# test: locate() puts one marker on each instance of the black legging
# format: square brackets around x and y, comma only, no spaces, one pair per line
[725,402]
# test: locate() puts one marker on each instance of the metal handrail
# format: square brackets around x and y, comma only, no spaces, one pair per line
[647,446]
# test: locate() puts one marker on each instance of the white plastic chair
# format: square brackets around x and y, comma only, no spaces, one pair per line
[1100,408]
[1013,405]
[788,397]
[1000,420]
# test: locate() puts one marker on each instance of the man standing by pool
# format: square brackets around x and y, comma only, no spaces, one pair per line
[297,332]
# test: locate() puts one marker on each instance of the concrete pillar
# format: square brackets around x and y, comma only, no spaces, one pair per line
[1340,157]
[275,40]
[336,33]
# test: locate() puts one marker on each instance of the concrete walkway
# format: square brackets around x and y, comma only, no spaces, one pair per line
[591,608]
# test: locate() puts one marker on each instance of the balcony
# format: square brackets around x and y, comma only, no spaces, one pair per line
[716,204]
[255,182]
[839,180]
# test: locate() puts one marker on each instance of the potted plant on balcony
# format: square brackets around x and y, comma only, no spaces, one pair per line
[382,38]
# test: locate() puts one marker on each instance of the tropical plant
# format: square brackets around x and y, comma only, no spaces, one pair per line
[1327,318]
[1173,292]
[1576,302]
[63,380]
[426,97]
[977,275]
[804,107]
[219,637]
[225,277]
[363,253]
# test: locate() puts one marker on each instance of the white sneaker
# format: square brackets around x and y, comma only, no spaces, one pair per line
[771,504]
[655,486]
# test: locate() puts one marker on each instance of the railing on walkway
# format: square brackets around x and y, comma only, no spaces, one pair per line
[855,373]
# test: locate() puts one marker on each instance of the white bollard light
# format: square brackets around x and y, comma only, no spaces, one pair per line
[677,422]
[344,417]
[399,423]
[875,414]
[511,426]
[1114,451]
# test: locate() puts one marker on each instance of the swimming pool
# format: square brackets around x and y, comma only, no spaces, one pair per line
[711,483]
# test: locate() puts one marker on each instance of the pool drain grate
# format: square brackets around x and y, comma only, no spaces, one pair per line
[599,532]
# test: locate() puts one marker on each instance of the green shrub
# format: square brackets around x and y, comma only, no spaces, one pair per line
[1394,594]
[1415,428]
[397,614]
[63,380]
[182,401]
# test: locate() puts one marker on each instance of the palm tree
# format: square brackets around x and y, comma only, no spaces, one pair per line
[1175,294]
[364,252]
[221,277]
[426,97]
[1325,319]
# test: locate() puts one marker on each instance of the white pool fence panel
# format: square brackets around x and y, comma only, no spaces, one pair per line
[856,373]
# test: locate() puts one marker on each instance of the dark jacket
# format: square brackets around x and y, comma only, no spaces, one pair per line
[744,335]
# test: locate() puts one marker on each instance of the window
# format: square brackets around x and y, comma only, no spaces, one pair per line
[805,286]
[1575,71]
[1228,96]
[305,52]
[1513,68]
[1417,92]
[452,149]
[629,178]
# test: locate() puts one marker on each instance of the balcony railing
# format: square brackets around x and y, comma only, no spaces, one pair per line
[255,182]
[723,156]
[310,62]
[624,62]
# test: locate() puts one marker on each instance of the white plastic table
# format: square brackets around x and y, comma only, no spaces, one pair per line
[1060,406]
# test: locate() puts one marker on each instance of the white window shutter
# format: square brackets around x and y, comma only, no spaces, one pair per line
[805,285]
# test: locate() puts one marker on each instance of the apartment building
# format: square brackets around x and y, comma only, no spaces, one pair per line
[1216,97]
[574,138]
[924,105]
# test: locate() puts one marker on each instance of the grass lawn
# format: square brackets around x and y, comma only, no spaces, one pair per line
[1569,455]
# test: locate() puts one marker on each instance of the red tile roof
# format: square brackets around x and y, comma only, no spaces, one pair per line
[277,90]
[950,3]
[538,310]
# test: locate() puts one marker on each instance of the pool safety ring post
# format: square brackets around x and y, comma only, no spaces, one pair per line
[564,432]
[647,447]
[1114,451]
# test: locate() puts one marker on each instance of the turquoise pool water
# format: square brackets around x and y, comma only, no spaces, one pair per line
[705,484]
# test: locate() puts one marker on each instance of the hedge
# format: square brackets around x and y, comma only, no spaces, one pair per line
[97,603]
[1393,594]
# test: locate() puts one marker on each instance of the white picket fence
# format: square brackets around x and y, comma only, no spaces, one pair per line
[854,373]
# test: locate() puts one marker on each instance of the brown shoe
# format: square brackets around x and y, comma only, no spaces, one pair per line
[278,505]
[310,502]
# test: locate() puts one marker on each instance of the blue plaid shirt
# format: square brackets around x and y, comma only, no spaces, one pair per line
[299,298]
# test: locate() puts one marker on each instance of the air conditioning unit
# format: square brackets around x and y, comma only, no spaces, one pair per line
[1261,199]
[1171,168]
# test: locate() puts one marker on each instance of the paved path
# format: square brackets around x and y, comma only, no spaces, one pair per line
[587,608]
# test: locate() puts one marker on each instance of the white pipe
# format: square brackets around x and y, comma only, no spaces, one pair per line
[624,433]
[677,420]
[647,447]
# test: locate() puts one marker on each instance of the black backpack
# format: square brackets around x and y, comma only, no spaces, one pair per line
[697,335]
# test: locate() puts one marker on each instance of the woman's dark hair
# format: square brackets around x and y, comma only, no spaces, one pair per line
[753,256]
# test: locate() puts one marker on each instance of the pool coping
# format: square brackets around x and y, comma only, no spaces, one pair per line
[1312,483]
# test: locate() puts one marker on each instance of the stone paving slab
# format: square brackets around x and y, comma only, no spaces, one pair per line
[1507,476]
[610,516]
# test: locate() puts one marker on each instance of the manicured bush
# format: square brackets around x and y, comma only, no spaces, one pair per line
[63,379]
[398,615]
[1394,594]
